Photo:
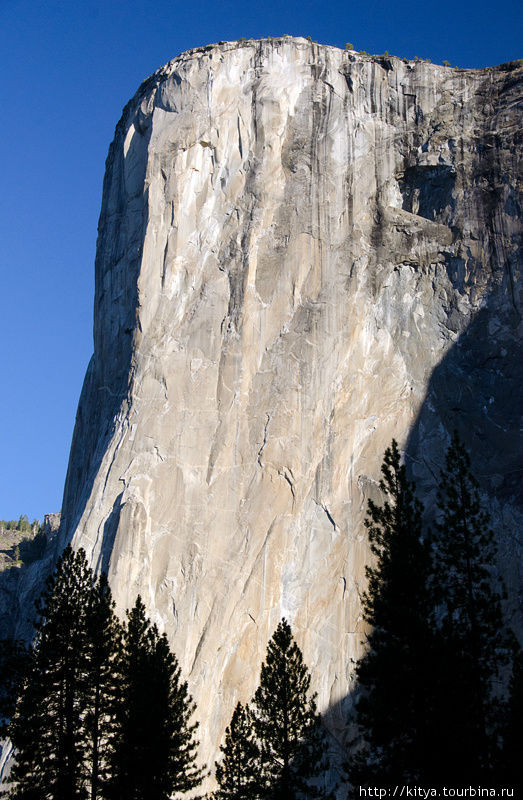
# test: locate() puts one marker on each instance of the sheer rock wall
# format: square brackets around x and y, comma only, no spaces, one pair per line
[294,241]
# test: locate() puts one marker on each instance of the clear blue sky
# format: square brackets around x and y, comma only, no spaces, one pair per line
[67,69]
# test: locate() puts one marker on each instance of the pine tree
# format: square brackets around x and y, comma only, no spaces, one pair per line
[155,745]
[476,646]
[14,660]
[30,732]
[238,774]
[47,730]
[103,644]
[394,674]
[64,721]
[286,724]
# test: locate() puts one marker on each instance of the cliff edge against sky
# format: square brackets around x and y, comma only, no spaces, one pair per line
[303,252]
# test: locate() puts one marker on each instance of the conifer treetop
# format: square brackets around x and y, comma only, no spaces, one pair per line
[286,723]
[238,772]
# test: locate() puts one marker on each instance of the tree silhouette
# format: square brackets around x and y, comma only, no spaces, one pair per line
[155,746]
[238,773]
[287,726]
[14,661]
[393,707]
[103,713]
[475,644]
[103,697]
[47,730]
[431,701]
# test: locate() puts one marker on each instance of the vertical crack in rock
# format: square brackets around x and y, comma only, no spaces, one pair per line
[265,432]
[322,244]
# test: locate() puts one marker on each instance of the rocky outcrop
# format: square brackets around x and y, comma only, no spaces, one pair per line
[26,558]
[302,253]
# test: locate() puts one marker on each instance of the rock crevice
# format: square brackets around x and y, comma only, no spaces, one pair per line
[302,253]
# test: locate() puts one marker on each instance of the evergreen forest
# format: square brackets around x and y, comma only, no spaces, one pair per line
[21,525]
[97,708]
[21,541]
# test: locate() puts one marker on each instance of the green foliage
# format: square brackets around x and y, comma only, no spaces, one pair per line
[31,550]
[31,540]
[239,773]
[349,46]
[446,63]
[21,524]
[155,750]
[392,707]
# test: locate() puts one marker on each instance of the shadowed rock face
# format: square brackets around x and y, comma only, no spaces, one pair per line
[296,244]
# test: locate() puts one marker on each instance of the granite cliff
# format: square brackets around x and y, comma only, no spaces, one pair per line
[303,252]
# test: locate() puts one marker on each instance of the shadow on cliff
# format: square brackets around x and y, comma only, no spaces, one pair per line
[109,535]
[121,232]
[109,374]
[477,389]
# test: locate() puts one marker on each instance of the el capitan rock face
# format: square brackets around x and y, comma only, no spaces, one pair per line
[302,253]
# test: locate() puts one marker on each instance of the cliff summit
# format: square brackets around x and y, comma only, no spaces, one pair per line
[302,253]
